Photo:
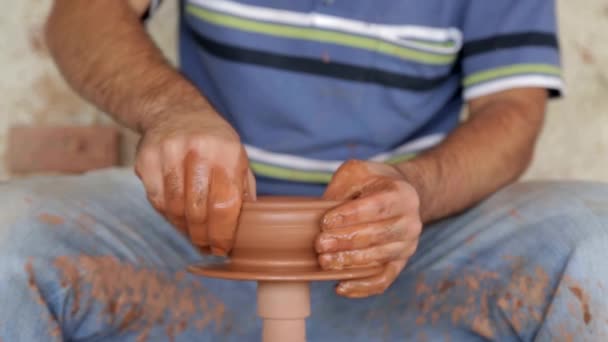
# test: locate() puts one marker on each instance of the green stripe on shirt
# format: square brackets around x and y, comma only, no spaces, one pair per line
[306,176]
[315,34]
[511,70]
[278,172]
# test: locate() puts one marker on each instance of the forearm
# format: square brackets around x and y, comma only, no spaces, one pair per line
[105,54]
[490,150]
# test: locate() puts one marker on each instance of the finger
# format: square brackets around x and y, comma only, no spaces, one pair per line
[149,169]
[370,208]
[375,285]
[173,179]
[347,181]
[250,187]
[206,250]
[179,223]
[366,257]
[362,235]
[197,190]
[223,207]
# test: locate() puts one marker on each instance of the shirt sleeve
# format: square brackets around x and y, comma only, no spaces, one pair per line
[154,4]
[510,44]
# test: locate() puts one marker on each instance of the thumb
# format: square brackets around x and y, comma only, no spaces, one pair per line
[348,181]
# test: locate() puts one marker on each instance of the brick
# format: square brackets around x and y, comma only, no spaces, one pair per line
[68,149]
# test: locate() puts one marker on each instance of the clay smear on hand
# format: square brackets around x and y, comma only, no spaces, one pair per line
[224,206]
[137,299]
[378,224]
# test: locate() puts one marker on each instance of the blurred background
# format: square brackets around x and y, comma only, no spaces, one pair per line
[33,96]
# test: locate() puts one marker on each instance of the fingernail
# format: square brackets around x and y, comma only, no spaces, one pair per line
[329,244]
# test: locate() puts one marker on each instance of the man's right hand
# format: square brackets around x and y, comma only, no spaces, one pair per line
[190,160]
[196,174]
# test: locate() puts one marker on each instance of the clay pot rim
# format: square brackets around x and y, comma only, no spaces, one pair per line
[226,271]
[288,203]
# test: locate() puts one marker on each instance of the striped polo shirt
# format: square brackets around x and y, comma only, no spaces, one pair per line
[311,83]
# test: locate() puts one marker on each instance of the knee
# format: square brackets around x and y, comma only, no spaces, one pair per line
[580,203]
[46,212]
[26,230]
[34,222]
[557,194]
[569,215]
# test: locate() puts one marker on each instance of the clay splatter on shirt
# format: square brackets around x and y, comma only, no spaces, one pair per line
[325,57]
[136,299]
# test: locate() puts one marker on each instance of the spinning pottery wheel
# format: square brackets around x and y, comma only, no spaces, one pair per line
[275,246]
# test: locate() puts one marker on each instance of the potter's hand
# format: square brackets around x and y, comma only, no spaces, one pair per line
[379,224]
[196,174]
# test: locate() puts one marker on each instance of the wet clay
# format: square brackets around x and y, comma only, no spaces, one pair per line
[275,244]
[275,241]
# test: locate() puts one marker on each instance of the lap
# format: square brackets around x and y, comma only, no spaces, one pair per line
[88,258]
[485,272]
[524,264]
[98,212]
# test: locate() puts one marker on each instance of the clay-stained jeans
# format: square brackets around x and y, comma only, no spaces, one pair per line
[86,259]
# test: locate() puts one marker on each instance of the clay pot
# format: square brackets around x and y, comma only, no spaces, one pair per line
[275,246]
[275,242]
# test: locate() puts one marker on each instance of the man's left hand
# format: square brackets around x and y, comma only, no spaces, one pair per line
[378,224]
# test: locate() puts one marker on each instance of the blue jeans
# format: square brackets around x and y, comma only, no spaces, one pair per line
[85,258]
